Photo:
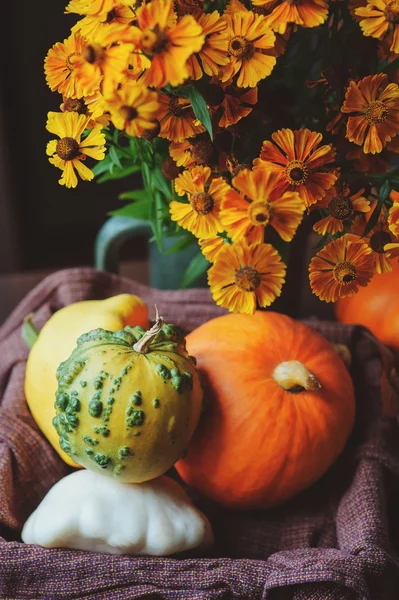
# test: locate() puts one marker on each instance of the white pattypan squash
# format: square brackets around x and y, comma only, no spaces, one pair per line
[87,511]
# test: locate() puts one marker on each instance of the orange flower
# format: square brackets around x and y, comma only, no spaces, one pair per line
[381,17]
[340,207]
[201,215]
[338,270]
[93,107]
[308,13]
[213,53]
[233,102]
[393,218]
[60,67]
[91,26]
[300,162]
[95,8]
[377,240]
[168,44]
[376,102]
[192,152]
[260,205]
[104,58]
[69,151]
[133,108]
[243,277]
[368,163]
[210,247]
[177,119]
[189,7]
[251,42]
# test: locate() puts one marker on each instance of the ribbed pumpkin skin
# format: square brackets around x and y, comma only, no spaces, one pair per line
[258,445]
[123,413]
[375,307]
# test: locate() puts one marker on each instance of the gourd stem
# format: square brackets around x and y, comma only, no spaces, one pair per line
[29,332]
[144,344]
[295,377]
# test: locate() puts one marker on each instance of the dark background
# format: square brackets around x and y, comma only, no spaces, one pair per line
[42,224]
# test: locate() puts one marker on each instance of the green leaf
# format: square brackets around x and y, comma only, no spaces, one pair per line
[384,192]
[181,244]
[134,195]
[119,173]
[321,243]
[157,220]
[114,156]
[197,267]
[136,210]
[145,172]
[382,196]
[200,109]
[390,66]
[160,183]
[102,166]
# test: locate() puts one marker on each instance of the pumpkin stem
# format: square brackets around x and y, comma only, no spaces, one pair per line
[294,377]
[29,332]
[144,344]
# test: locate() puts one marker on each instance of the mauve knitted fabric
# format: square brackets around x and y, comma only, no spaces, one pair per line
[335,541]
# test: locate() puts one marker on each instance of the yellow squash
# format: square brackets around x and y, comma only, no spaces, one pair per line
[57,340]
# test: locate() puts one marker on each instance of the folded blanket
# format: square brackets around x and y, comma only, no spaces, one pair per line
[333,541]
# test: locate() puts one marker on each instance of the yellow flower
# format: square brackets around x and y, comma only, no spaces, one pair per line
[341,207]
[213,53]
[192,152]
[91,26]
[377,240]
[133,108]
[95,8]
[69,151]
[251,43]
[93,107]
[177,119]
[393,218]
[260,205]
[201,214]
[376,102]
[60,67]
[338,270]
[210,247]
[301,163]
[243,277]
[381,17]
[167,43]
[307,13]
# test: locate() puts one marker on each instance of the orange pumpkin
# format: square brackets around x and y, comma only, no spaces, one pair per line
[375,307]
[280,406]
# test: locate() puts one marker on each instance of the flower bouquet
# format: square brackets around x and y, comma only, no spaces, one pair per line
[243,119]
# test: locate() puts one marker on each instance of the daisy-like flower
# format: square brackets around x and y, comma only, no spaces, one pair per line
[301,162]
[210,247]
[393,217]
[93,107]
[368,163]
[374,104]
[91,26]
[381,17]
[201,214]
[307,13]
[192,152]
[213,53]
[250,49]
[189,7]
[340,206]
[105,59]
[133,108]
[70,150]
[95,8]
[377,240]
[234,103]
[340,268]
[243,276]
[260,205]
[60,67]
[177,119]
[167,43]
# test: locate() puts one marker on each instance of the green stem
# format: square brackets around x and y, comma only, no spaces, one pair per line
[29,332]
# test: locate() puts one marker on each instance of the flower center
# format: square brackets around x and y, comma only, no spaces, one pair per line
[202,203]
[378,241]
[239,47]
[75,105]
[296,172]
[111,16]
[340,207]
[128,113]
[344,272]
[202,152]
[176,108]
[247,279]
[260,212]
[70,60]
[391,11]
[67,148]
[154,41]
[93,53]
[376,112]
